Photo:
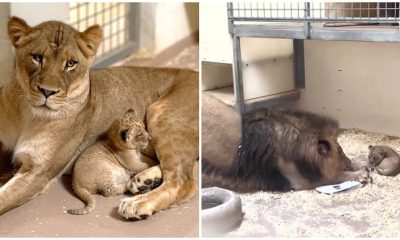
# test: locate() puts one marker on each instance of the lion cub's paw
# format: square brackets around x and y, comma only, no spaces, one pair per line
[135,208]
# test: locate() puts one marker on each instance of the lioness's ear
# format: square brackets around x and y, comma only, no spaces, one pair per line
[90,40]
[18,30]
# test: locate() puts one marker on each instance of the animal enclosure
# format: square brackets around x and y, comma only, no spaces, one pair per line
[311,20]
[326,12]
[334,59]
[119,22]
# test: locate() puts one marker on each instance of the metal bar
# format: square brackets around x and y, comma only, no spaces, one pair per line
[238,75]
[367,35]
[299,67]
[307,24]
[229,7]
[270,101]
[379,35]
[134,20]
[324,19]
[263,31]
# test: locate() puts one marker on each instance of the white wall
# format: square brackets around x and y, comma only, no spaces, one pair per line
[174,22]
[164,24]
[35,13]
[6,54]
[357,83]
[216,44]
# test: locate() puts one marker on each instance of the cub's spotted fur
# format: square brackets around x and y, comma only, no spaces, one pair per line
[108,164]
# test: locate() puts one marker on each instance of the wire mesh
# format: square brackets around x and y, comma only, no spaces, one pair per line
[325,12]
[112,17]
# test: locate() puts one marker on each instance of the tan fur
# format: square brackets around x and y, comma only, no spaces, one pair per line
[384,159]
[107,165]
[48,134]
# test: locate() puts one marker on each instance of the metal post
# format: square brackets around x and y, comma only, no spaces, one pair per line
[238,75]
[299,68]
[229,7]
[307,23]
[134,17]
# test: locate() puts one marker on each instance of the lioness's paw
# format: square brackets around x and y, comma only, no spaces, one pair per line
[135,208]
[138,185]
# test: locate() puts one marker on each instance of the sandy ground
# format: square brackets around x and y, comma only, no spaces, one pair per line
[370,211]
[44,216]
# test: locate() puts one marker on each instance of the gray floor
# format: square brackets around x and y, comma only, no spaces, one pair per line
[45,216]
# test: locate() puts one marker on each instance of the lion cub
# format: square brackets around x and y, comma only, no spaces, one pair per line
[107,165]
[384,159]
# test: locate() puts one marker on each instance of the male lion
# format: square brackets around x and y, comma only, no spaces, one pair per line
[271,150]
[55,107]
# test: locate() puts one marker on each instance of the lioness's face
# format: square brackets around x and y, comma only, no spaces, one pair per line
[52,62]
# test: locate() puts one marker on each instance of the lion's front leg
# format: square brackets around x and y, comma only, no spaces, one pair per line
[22,188]
[173,125]
[361,175]
[37,168]
[177,187]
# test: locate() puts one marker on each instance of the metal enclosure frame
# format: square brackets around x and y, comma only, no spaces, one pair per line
[131,45]
[300,28]
[130,41]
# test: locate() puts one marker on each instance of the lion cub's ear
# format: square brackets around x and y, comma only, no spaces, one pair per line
[90,40]
[18,30]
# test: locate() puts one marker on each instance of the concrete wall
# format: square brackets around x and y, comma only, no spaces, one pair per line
[358,83]
[164,24]
[215,40]
[6,54]
[35,13]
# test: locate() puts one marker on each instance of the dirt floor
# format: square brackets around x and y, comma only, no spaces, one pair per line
[44,216]
[370,211]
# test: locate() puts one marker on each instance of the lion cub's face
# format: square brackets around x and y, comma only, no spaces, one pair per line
[129,132]
[52,62]
[376,155]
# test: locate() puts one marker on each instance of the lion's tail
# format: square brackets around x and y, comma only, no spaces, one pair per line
[86,197]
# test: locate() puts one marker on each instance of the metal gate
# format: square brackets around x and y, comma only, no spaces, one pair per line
[119,22]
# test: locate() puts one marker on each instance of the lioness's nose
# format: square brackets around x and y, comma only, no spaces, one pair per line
[47,93]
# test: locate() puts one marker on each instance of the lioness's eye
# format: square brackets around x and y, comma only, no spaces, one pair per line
[37,57]
[71,63]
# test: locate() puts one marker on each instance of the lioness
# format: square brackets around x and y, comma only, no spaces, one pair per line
[271,150]
[107,165]
[55,107]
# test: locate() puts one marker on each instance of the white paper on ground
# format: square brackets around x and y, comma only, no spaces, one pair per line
[330,189]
